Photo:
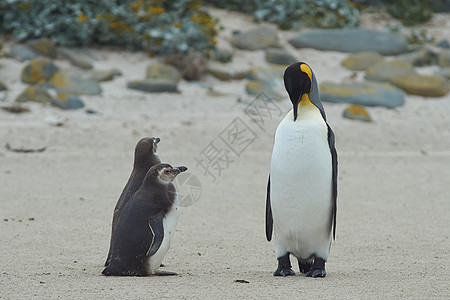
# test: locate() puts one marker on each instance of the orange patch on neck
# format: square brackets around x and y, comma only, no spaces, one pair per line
[306,69]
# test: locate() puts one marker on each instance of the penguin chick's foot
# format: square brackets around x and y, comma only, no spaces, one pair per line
[284,267]
[283,272]
[318,269]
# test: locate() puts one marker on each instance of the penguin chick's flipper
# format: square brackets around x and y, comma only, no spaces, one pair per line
[269,220]
[156,226]
[284,267]
[317,269]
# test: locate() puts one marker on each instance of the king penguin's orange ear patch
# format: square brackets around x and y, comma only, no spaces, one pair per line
[306,69]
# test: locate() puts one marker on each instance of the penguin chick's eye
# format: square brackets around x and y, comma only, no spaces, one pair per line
[166,171]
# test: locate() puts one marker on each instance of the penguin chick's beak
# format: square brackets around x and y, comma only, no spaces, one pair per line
[157,140]
[178,170]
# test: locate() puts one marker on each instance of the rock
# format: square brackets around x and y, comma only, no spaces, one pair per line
[443,44]
[445,72]
[279,57]
[192,64]
[351,40]
[66,83]
[22,53]
[44,47]
[34,94]
[222,55]
[154,85]
[76,58]
[272,75]
[64,101]
[422,85]
[362,93]
[362,60]
[356,112]
[386,70]
[158,70]
[444,58]
[421,57]
[38,71]
[227,74]
[108,75]
[2,86]
[255,39]
[256,88]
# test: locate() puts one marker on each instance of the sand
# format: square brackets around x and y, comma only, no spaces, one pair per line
[56,206]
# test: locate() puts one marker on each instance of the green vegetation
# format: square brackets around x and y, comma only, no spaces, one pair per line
[158,26]
[294,13]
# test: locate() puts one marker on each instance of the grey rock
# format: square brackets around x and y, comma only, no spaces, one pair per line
[271,76]
[224,73]
[279,57]
[2,86]
[44,47]
[256,88]
[66,83]
[386,70]
[445,72]
[68,102]
[76,58]
[154,85]
[422,85]
[443,44]
[222,55]
[255,39]
[107,75]
[420,57]
[22,53]
[38,71]
[362,93]
[34,94]
[444,58]
[362,60]
[356,112]
[351,40]
[159,70]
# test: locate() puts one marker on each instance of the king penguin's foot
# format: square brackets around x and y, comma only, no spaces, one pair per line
[317,269]
[304,267]
[284,267]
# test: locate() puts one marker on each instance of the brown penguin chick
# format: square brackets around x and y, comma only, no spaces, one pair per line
[146,225]
[145,157]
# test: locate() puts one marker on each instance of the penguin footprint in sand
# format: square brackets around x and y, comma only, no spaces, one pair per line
[302,187]
[146,225]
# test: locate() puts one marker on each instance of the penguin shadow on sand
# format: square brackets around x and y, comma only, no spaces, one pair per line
[302,186]
[145,216]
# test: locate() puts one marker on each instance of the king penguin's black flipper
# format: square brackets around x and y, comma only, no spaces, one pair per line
[156,226]
[269,220]
[334,161]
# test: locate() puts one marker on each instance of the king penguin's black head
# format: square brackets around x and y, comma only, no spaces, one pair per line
[298,80]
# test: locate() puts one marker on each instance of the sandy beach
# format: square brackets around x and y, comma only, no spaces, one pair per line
[56,206]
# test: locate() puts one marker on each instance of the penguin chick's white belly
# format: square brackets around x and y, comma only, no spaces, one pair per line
[301,185]
[170,222]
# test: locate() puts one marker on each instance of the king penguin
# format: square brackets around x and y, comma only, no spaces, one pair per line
[302,185]
[145,157]
[146,225]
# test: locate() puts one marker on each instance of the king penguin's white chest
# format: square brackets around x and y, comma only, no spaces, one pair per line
[170,222]
[301,182]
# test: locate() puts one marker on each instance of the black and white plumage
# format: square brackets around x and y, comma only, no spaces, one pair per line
[146,225]
[302,186]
